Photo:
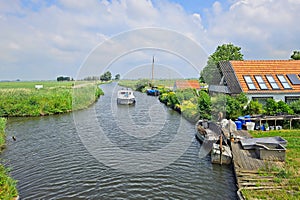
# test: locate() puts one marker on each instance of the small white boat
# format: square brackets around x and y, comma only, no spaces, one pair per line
[125,96]
[221,153]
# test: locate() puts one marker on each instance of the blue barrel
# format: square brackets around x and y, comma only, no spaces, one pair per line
[262,127]
[247,118]
[242,119]
[238,125]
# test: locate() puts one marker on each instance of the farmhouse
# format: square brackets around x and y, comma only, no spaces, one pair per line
[186,84]
[261,79]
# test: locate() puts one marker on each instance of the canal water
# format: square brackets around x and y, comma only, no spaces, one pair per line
[110,151]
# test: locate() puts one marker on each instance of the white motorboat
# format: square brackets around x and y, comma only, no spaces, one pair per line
[125,96]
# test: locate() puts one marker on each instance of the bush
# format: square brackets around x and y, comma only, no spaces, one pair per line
[204,105]
[254,107]
[189,110]
[295,106]
[141,85]
[272,107]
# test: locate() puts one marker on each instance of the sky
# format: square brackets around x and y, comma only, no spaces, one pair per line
[41,40]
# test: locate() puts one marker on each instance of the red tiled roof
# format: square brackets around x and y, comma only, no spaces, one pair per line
[263,68]
[185,84]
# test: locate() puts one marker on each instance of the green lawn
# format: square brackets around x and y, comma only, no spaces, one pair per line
[19,99]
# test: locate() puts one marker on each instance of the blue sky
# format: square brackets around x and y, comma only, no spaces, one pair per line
[45,39]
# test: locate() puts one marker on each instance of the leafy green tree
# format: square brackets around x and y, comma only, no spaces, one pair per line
[254,107]
[211,73]
[271,107]
[295,55]
[284,108]
[295,106]
[106,76]
[117,77]
[232,106]
[204,105]
[63,78]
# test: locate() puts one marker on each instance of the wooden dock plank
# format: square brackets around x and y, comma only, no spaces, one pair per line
[246,165]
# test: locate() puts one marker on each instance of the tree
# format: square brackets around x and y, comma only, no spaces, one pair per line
[295,55]
[254,107]
[204,105]
[295,106]
[232,106]
[141,85]
[284,108]
[271,107]
[106,76]
[63,78]
[211,73]
[235,105]
[117,77]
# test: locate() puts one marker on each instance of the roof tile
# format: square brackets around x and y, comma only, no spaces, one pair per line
[263,68]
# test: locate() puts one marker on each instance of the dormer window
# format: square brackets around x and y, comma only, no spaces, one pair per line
[249,82]
[284,82]
[272,82]
[261,82]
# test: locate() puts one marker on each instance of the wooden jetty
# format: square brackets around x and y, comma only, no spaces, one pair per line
[246,166]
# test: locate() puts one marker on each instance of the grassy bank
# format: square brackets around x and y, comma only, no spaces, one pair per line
[18,99]
[7,184]
[286,177]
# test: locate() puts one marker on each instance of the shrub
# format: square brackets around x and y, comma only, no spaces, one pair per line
[254,107]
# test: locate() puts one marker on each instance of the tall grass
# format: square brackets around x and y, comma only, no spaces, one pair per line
[16,102]
[7,184]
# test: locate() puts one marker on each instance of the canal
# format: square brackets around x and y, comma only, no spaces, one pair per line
[109,151]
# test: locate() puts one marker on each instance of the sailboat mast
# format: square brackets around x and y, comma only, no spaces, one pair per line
[152,71]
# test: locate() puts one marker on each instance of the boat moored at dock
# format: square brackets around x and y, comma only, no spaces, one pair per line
[203,132]
[221,153]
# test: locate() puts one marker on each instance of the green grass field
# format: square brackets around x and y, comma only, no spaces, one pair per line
[19,99]
[31,84]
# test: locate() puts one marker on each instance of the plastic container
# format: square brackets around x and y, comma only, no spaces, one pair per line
[262,127]
[250,126]
[238,125]
[242,119]
[247,118]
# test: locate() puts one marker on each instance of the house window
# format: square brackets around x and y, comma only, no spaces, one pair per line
[272,82]
[262,100]
[261,82]
[284,82]
[294,79]
[249,82]
[290,99]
